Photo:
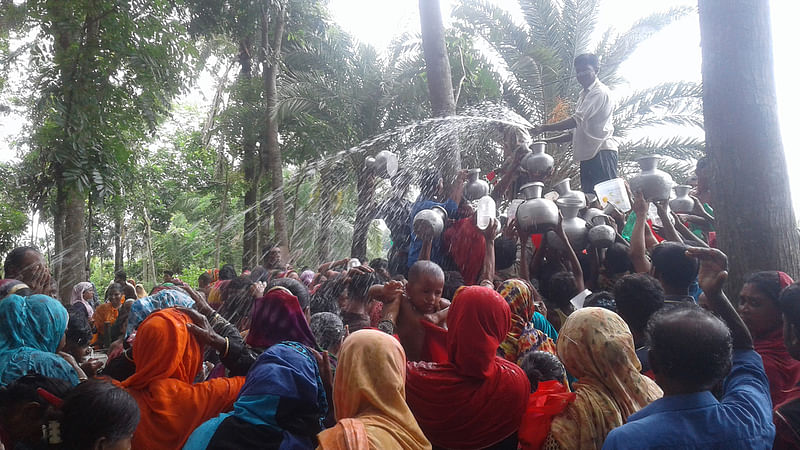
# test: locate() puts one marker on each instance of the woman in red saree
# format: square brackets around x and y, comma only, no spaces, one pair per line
[456,403]
[758,306]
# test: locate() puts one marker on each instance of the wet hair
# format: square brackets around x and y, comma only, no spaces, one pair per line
[24,390]
[421,268]
[671,263]
[638,297]
[379,263]
[541,366]
[297,288]
[789,303]
[120,275]
[79,331]
[227,272]
[690,346]
[505,252]
[452,281]
[561,288]
[702,163]
[204,279]
[237,301]
[358,289]
[767,282]
[328,329]
[429,182]
[601,299]
[97,409]
[259,273]
[618,260]
[114,287]
[12,266]
[587,59]
[326,297]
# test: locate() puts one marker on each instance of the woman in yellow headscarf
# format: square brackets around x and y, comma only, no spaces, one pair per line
[596,347]
[369,397]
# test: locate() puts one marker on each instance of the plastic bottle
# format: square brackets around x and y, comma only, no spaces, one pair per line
[487,210]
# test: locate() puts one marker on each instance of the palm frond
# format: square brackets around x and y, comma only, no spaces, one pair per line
[678,148]
[578,19]
[675,99]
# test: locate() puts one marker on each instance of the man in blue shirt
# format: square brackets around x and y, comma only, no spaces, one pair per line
[431,185]
[691,350]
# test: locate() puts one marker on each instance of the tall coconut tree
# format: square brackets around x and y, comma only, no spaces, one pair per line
[535,58]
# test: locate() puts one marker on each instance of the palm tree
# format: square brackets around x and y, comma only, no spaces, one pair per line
[535,60]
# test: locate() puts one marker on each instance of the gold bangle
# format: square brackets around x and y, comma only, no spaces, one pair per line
[227,347]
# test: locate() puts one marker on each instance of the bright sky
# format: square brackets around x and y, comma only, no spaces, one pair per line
[673,54]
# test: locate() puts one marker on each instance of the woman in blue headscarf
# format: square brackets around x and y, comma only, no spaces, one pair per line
[281,405]
[31,332]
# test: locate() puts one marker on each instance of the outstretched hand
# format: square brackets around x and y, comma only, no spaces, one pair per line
[640,205]
[713,269]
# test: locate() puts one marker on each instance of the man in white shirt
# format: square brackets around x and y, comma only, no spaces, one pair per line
[593,144]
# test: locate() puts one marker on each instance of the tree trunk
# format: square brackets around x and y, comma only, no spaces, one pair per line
[440,83]
[365,211]
[298,180]
[264,230]
[324,209]
[150,269]
[756,225]
[89,229]
[118,249]
[73,265]
[58,232]
[251,164]
[222,213]
[274,165]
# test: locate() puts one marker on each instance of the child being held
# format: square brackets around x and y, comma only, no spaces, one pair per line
[416,312]
[549,397]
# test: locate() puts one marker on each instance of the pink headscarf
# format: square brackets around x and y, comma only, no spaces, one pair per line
[77,296]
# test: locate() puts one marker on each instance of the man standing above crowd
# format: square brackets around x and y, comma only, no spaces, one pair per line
[593,144]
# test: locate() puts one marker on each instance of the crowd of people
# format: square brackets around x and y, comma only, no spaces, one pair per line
[478,339]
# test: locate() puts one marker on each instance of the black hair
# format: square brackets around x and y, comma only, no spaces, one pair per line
[121,275]
[326,297]
[25,390]
[618,260]
[14,260]
[379,263]
[204,278]
[671,263]
[169,272]
[767,282]
[561,288]
[79,331]
[227,272]
[601,299]
[702,163]
[114,287]
[541,366]
[237,301]
[689,345]
[638,296]
[358,289]
[328,329]
[505,252]
[259,273]
[587,59]
[789,303]
[429,182]
[452,281]
[297,288]
[97,409]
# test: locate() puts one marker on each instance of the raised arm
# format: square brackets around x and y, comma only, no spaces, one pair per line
[572,258]
[668,228]
[711,277]
[487,274]
[638,251]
